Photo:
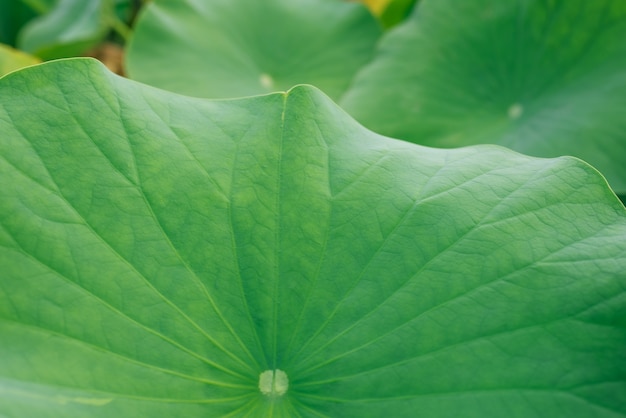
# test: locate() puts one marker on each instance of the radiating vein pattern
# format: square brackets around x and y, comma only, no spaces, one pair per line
[160,254]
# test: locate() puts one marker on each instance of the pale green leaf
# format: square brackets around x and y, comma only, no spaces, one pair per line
[230,48]
[545,78]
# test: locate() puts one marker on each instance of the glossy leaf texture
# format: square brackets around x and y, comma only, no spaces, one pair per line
[545,78]
[269,257]
[233,48]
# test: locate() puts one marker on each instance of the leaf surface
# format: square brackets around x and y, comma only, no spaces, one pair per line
[545,78]
[269,257]
[231,48]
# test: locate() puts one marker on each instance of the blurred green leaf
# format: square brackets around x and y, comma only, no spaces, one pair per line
[40,6]
[396,12]
[13,16]
[376,6]
[12,59]
[545,78]
[69,28]
[229,48]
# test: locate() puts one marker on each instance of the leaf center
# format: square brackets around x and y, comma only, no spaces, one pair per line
[273,383]
[266,81]
[515,111]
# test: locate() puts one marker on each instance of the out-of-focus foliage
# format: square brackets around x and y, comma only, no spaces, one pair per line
[12,59]
[396,11]
[14,14]
[545,78]
[70,27]
[376,6]
[233,48]
[53,29]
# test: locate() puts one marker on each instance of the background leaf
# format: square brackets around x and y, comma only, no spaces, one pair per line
[68,29]
[12,59]
[13,15]
[40,6]
[396,12]
[376,6]
[229,48]
[160,253]
[545,78]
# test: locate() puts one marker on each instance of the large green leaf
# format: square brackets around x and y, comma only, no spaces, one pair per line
[543,77]
[229,48]
[164,256]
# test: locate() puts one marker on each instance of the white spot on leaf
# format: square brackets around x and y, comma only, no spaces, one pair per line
[273,383]
[266,81]
[515,111]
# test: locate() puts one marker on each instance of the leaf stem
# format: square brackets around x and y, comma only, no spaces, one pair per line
[121,29]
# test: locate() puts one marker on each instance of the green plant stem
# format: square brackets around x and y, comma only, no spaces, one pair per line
[121,29]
